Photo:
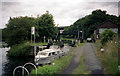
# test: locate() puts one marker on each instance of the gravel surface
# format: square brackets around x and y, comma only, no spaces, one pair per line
[91,60]
[75,61]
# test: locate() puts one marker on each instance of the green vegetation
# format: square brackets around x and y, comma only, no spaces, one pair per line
[23,49]
[89,23]
[60,64]
[109,57]
[45,27]
[81,68]
[38,44]
[18,29]
[106,35]
[81,44]
[0,38]
[20,50]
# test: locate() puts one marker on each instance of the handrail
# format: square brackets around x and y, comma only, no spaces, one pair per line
[22,69]
[31,64]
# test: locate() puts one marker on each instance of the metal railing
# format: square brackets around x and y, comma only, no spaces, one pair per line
[23,68]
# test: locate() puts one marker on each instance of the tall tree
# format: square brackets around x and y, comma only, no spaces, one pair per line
[46,26]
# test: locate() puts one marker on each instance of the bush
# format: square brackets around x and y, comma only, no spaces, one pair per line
[106,35]
[19,50]
[109,58]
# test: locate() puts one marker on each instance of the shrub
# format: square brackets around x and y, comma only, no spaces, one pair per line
[106,35]
[109,58]
[19,50]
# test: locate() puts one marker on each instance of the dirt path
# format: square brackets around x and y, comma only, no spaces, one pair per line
[91,60]
[74,62]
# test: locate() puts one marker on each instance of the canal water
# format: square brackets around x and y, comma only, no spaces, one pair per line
[7,65]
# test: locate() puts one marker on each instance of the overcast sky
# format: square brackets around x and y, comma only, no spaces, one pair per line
[65,12]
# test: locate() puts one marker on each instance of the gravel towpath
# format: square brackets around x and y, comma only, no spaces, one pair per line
[75,61]
[91,60]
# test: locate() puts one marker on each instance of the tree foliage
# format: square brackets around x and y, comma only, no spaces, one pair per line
[46,26]
[88,23]
[106,35]
[18,29]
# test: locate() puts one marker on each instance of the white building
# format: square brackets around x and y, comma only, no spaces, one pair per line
[103,26]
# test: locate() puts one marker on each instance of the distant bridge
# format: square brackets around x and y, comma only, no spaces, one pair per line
[61,29]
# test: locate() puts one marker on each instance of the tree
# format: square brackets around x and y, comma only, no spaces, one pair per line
[89,23]
[18,30]
[46,26]
[106,35]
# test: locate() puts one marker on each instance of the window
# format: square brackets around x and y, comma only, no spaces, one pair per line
[53,53]
[116,30]
[57,52]
[101,30]
[49,54]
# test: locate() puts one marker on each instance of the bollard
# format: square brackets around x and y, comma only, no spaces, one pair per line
[102,50]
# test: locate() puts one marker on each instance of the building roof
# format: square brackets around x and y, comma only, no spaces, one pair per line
[107,24]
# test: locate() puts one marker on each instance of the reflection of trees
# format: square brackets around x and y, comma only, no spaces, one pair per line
[12,63]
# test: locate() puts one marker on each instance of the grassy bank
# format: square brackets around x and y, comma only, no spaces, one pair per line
[38,44]
[60,64]
[81,68]
[109,58]
[19,50]
[23,49]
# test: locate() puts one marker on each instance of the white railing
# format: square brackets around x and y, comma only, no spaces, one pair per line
[23,68]
[30,64]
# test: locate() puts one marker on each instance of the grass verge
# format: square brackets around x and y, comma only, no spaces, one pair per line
[81,44]
[109,57]
[60,64]
[38,44]
[81,68]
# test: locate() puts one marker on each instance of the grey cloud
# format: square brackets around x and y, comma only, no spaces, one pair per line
[65,12]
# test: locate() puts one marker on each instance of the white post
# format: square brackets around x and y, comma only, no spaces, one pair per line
[44,39]
[32,33]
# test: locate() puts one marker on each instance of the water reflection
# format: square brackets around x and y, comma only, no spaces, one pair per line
[8,64]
